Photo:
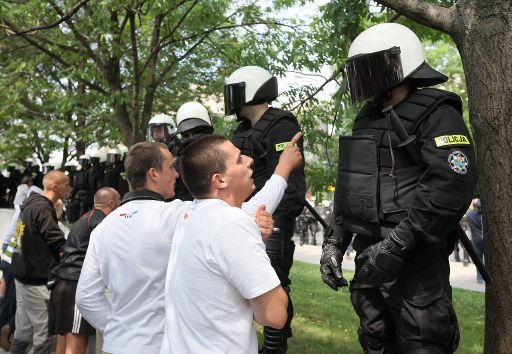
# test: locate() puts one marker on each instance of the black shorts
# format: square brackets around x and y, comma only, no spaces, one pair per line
[63,315]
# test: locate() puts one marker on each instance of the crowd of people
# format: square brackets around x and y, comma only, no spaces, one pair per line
[200,245]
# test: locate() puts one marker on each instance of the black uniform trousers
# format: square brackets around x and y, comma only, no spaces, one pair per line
[414,313]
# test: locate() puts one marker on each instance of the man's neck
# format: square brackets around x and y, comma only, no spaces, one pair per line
[254,113]
[398,94]
[229,199]
[104,209]
[50,195]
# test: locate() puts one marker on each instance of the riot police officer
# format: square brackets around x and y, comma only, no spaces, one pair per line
[262,134]
[32,170]
[47,167]
[193,122]
[81,196]
[115,176]
[96,174]
[405,178]
[160,128]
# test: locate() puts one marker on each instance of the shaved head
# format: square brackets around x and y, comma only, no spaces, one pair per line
[54,177]
[107,199]
[56,185]
[104,194]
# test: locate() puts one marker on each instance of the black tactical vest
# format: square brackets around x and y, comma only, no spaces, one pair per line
[251,141]
[376,183]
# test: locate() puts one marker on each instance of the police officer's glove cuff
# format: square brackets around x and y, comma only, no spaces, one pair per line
[330,266]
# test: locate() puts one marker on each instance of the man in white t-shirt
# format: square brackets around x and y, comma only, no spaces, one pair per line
[129,251]
[219,276]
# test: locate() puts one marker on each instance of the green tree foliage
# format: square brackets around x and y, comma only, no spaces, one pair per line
[111,64]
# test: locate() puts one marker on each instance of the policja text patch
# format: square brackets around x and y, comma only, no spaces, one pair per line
[451,140]
[282,146]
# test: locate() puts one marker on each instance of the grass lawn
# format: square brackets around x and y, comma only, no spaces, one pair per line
[325,322]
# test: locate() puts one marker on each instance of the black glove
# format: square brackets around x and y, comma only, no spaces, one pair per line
[330,261]
[382,261]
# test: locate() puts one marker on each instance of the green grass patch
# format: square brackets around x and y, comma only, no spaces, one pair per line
[325,321]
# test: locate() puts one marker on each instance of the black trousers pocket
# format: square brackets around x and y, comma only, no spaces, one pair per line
[428,321]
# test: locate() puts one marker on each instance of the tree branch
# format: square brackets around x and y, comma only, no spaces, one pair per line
[135,62]
[65,17]
[437,17]
[80,37]
[320,88]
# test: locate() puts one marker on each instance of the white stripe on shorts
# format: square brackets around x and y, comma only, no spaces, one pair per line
[77,319]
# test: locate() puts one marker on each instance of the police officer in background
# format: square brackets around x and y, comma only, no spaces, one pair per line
[47,167]
[32,170]
[96,174]
[160,128]
[263,133]
[405,178]
[193,123]
[115,176]
[81,195]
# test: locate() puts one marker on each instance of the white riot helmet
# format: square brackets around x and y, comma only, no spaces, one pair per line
[47,167]
[113,156]
[70,166]
[382,57]
[193,115]
[84,160]
[249,85]
[160,128]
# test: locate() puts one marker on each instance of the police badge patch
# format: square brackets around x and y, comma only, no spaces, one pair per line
[458,162]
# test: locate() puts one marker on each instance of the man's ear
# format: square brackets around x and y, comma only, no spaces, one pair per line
[152,174]
[218,182]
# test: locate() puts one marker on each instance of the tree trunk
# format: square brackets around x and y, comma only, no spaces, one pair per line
[484,38]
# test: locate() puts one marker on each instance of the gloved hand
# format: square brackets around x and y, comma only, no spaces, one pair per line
[382,261]
[330,261]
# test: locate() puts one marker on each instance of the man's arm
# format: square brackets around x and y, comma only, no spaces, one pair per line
[273,190]
[90,293]
[270,308]
[51,232]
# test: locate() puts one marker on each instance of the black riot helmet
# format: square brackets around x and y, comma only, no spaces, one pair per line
[382,57]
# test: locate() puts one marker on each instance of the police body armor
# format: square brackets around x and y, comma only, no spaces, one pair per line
[250,141]
[376,182]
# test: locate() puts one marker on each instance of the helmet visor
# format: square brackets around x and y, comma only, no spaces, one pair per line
[234,98]
[159,133]
[372,74]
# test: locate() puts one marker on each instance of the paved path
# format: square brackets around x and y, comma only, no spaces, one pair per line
[460,276]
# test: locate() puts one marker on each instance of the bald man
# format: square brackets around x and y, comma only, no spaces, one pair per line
[65,320]
[41,243]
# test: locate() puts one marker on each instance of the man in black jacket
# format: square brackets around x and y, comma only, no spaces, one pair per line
[41,244]
[65,321]
[405,178]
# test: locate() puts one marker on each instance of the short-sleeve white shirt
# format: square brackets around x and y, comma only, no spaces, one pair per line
[218,262]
